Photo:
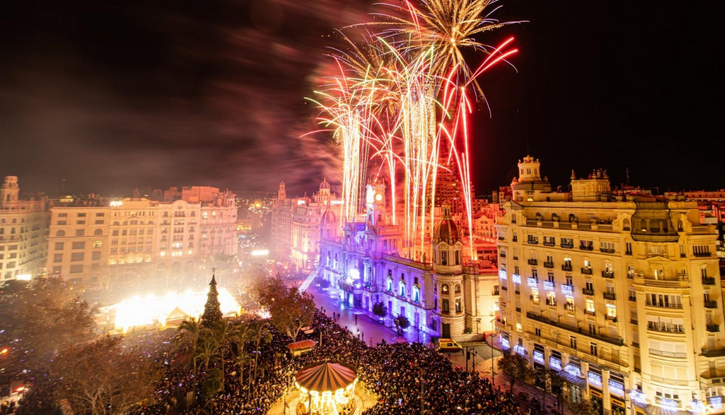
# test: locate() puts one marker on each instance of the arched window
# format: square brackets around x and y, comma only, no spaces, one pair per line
[444,289]
[98,232]
[416,294]
[402,288]
[390,285]
[680,226]
[572,218]
[60,233]
[644,224]
[458,288]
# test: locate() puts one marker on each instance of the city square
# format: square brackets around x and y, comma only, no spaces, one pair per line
[347,207]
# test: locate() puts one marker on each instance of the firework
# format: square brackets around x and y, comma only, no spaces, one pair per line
[400,97]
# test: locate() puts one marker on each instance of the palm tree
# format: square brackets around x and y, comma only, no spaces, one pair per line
[242,359]
[221,331]
[261,331]
[188,338]
[207,351]
[241,334]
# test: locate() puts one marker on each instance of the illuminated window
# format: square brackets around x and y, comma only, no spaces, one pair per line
[611,311]
[416,294]
[402,289]
[390,285]
[518,327]
[444,289]
[590,307]
[551,298]
[569,305]
[535,296]
[97,244]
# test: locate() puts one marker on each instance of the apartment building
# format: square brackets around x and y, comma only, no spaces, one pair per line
[132,241]
[620,293]
[23,225]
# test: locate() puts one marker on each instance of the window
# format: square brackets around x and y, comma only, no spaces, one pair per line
[59,246]
[593,349]
[611,311]
[80,222]
[591,309]
[537,331]
[572,342]
[79,245]
[444,289]
[402,288]
[551,298]
[458,305]
[76,268]
[458,289]
[628,248]
[569,305]
[58,258]
[569,280]
[607,247]
[589,285]
[76,256]
[445,306]
[100,215]
[80,232]
[97,244]
[60,233]
[567,242]
[390,284]
[416,294]
[62,215]
[96,255]
[535,296]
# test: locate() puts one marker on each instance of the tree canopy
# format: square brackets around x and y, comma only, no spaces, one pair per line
[289,308]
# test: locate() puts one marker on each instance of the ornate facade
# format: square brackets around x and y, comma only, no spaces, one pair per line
[620,293]
[448,296]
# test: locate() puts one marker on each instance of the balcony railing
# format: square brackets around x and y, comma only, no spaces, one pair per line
[587,271]
[566,268]
[611,340]
[533,261]
[633,299]
[663,305]
[611,318]
[607,250]
[548,264]
[586,247]
[610,296]
[713,328]
[549,243]
[679,329]
[590,312]
[607,274]
[708,280]
[587,291]
[678,355]
[701,254]
[532,241]
[710,304]
[569,246]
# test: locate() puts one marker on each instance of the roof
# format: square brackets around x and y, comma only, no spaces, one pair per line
[304,344]
[327,377]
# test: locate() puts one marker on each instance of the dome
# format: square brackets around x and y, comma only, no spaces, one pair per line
[328,218]
[447,230]
[324,184]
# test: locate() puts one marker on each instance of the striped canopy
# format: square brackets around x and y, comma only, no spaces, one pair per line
[327,377]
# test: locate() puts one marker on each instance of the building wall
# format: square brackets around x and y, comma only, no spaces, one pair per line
[642,281]
[23,225]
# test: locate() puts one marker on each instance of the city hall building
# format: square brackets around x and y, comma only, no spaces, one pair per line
[445,296]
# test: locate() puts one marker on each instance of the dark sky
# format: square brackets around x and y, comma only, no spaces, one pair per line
[115,95]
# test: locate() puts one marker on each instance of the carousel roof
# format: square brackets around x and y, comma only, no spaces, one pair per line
[325,377]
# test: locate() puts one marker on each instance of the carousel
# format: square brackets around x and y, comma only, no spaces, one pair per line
[325,389]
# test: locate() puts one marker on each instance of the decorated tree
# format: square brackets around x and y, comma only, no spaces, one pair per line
[380,310]
[212,309]
[401,323]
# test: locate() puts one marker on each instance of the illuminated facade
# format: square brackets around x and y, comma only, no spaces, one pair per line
[23,225]
[447,296]
[620,293]
[122,241]
[296,224]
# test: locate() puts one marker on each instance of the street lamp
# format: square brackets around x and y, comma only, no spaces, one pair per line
[493,369]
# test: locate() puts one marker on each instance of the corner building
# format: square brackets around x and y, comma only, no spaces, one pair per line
[620,293]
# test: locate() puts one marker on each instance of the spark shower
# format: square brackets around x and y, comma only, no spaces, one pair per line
[399,106]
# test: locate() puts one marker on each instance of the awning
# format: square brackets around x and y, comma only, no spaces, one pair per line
[325,377]
[304,344]
[656,410]
[573,379]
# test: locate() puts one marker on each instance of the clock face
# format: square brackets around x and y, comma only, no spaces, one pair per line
[378,197]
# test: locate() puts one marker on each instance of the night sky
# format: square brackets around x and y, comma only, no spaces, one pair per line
[116,95]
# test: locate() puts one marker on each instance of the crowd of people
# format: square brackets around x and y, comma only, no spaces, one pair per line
[390,373]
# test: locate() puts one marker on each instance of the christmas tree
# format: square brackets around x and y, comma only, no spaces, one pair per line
[212,309]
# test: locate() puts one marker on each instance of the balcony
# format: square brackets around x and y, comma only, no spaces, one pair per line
[708,280]
[569,246]
[610,296]
[518,309]
[502,254]
[634,299]
[611,340]
[551,243]
[587,271]
[702,254]
[607,250]
[586,291]
[590,312]
[710,304]
[532,241]
[607,274]
[548,264]
[634,321]
[713,328]
[664,328]
[713,352]
[505,288]
[627,252]
[611,318]
[586,247]
[664,305]
[533,261]
[516,258]
[566,268]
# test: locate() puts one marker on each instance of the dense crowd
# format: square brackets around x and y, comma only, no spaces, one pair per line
[392,373]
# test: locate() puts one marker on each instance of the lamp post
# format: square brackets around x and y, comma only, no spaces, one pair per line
[493,369]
